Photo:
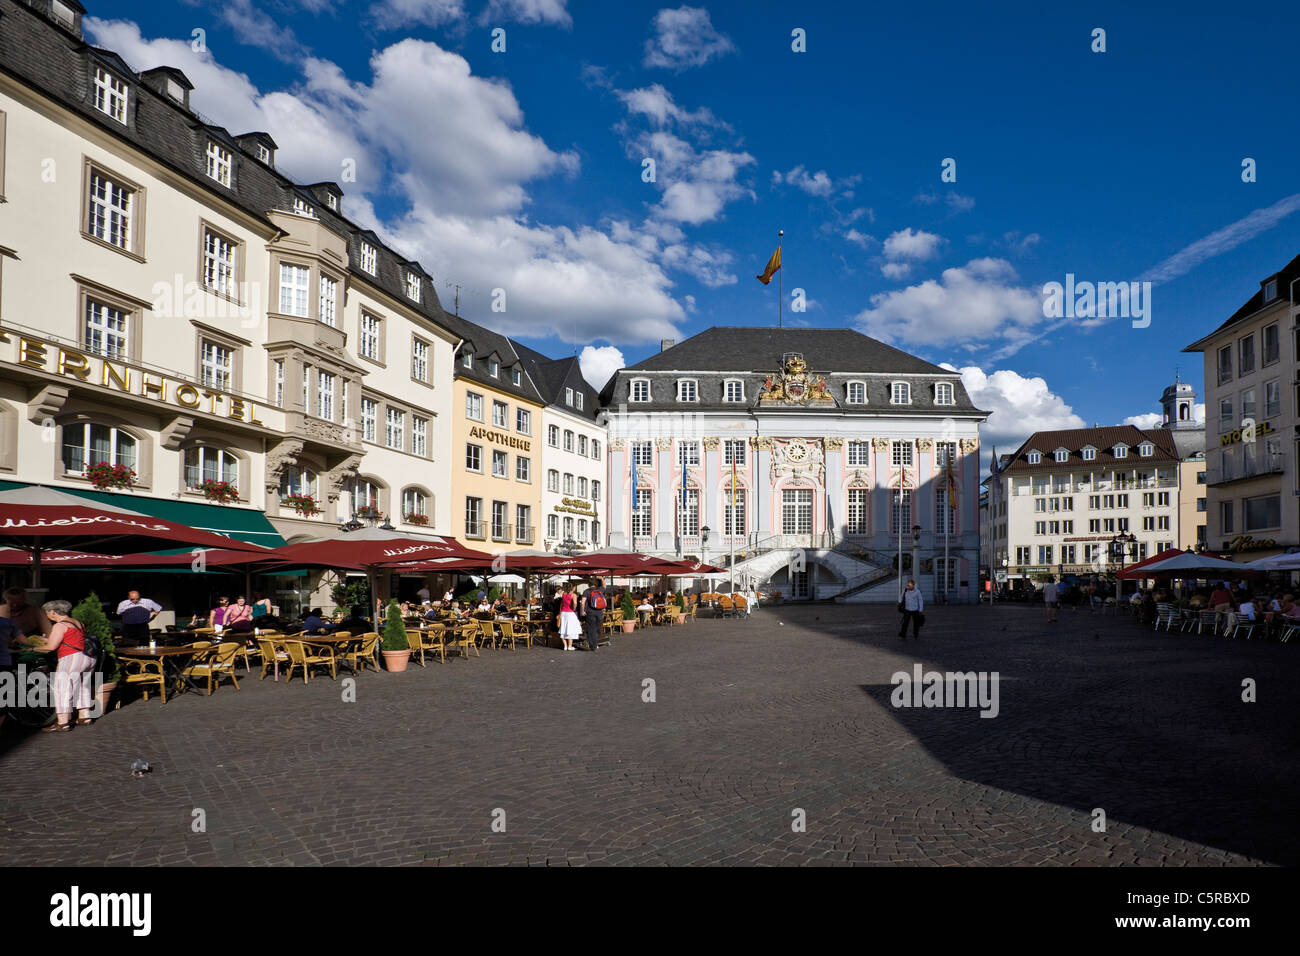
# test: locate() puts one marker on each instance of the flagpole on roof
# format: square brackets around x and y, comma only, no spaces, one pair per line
[780,287]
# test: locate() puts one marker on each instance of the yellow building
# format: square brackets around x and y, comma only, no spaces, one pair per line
[496,421]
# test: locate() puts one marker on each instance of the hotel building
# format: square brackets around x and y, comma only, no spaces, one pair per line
[830,444]
[1252,396]
[1055,504]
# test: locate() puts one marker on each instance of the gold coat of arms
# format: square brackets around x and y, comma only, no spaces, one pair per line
[794,385]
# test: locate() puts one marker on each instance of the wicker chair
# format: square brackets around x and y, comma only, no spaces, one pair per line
[146,673]
[305,655]
[217,663]
[363,651]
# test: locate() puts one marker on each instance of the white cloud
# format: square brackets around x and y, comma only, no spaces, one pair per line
[861,238]
[916,245]
[979,302]
[684,38]
[657,103]
[710,266]
[463,190]
[696,184]
[395,14]
[598,363]
[895,270]
[528,11]
[956,202]
[814,184]
[1018,406]
[1154,419]
[1222,240]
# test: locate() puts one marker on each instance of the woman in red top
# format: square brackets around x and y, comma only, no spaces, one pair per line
[72,677]
[569,629]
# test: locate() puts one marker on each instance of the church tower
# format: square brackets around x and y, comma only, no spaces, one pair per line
[1178,404]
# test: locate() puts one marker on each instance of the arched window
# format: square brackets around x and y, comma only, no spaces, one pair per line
[365,496]
[857,393]
[85,444]
[203,463]
[414,503]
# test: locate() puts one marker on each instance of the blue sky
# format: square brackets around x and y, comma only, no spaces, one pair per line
[523,169]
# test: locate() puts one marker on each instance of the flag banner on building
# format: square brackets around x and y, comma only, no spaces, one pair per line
[773,266]
[731,525]
[952,491]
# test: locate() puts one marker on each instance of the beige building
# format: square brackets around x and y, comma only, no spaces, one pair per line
[1253,457]
[172,303]
[495,441]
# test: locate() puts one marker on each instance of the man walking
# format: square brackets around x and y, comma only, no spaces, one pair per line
[136,613]
[912,604]
[1051,599]
[594,603]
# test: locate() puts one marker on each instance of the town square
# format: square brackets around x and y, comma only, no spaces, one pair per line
[539,433]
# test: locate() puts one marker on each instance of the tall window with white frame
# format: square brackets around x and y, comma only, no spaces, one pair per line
[420,360]
[86,444]
[419,436]
[219,265]
[219,164]
[395,431]
[329,293]
[203,463]
[369,258]
[945,515]
[111,95]
[325,395]
[370,336]
[859,511]
[369,418]
[733,518]
[642,525]
[642,453]
[111,211]
[278,384]
[733,452]
[901,511]
[215,363]
[106,331]
[294,294]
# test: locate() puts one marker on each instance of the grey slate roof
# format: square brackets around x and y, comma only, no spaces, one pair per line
[1285,276]
[553,376]
[486,344]
[1104,439]
[752,355]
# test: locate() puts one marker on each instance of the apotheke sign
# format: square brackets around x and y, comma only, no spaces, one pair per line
[501,438]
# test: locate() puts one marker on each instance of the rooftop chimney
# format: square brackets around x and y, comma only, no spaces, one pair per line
[666,344]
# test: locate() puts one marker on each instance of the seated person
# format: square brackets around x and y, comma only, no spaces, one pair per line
[406,609]
[1220,597]
[312,623]
[1276,603]
[1290,608]
[354,622]
[502,606]
[1247,610]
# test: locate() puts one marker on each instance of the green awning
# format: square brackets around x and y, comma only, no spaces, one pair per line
[242,524]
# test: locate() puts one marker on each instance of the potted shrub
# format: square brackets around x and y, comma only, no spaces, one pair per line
[366,512]
[395,647]
[681,609]
[416,519]
[629,612]
[90,612]
[222,492]
[105,476]
[305,505]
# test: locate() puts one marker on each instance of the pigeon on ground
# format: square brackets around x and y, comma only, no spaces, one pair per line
[139,768]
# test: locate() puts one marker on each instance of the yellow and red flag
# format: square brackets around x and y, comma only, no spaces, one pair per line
[773,266]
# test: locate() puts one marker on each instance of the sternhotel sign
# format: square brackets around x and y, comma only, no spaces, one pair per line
[119,376]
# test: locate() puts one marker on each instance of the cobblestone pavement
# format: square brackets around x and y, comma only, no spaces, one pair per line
[753,720]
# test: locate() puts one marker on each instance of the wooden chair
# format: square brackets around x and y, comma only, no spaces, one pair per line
[273,655]
[486,634]
[306,655]
[147,673]
[363,651]
[465,639]
[217,663]
[509,633]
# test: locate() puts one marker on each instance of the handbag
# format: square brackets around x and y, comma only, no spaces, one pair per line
[901,607]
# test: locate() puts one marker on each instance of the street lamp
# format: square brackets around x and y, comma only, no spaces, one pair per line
[704,548]
[1119,548]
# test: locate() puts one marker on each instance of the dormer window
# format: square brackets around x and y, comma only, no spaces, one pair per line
[1121,450]
[219,164]
[175,90]
[413,287]
[855,393]
[577,400]
[733,390]
[1146,449]
[1270,290]
[111,95]
[900,394]
[1089,453]
[943,394]
[687,390]
[516,377]
[494,368]
[64,15]
[369,258]
[302,207]
[332,201]
[1034,457]
[568,397]
[639,390]
[263,154]
[467,359]
[1062,454]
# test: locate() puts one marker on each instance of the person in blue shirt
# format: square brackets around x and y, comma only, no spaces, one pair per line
[312,622]
[912,604]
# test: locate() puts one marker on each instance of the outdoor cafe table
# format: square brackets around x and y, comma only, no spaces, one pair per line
[173,661]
